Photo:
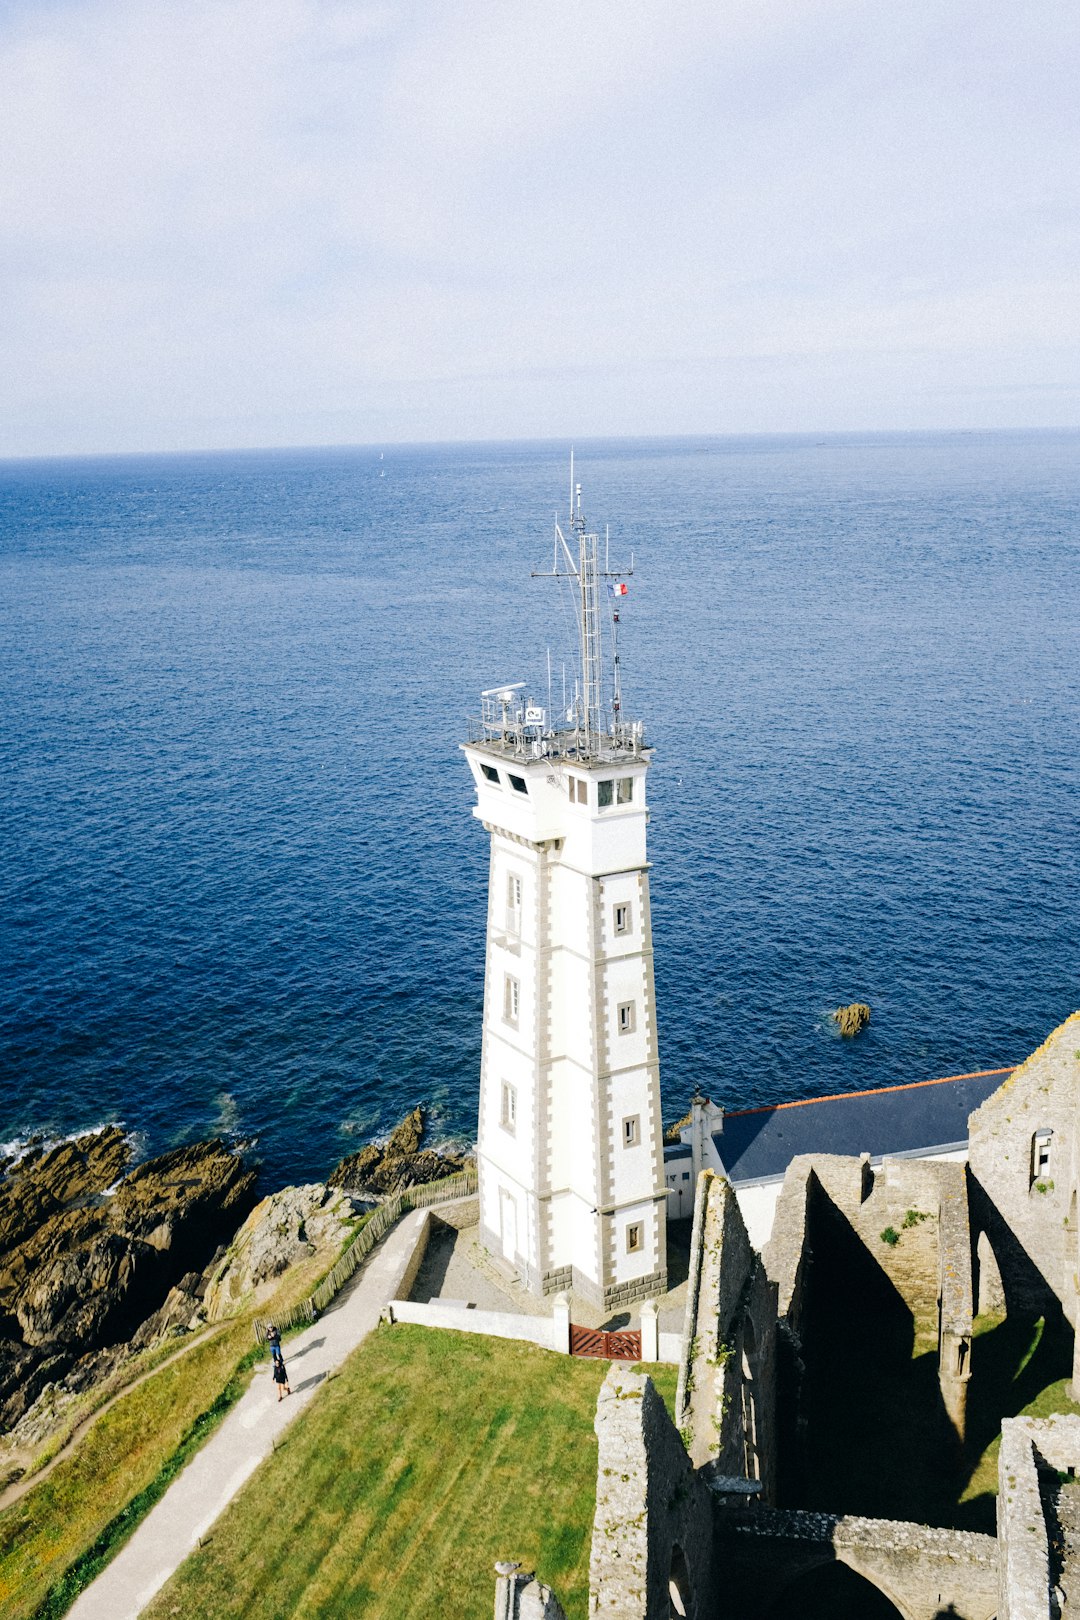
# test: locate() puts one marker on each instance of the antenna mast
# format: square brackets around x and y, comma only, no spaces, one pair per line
[584,571]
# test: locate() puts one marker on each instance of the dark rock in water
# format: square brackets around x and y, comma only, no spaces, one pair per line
[81,1266]
[41,1184]
[407,1137]
[402,1163]
[356,1170]
[853,1018]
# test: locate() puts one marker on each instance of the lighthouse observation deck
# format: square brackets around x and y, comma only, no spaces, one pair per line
[514,727]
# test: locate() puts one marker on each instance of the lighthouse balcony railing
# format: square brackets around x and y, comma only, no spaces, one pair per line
[524,742]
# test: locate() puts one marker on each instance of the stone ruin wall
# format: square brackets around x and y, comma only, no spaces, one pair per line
[923,1205]
[724,1402]
[761,1552]
[1040,1561]
[1033,1233]
[654,1516]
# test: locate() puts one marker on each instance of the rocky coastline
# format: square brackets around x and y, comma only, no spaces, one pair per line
[100,1259]
[380,1170]
[91,1249]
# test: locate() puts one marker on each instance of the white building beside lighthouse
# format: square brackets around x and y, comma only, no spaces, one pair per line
[570,1142]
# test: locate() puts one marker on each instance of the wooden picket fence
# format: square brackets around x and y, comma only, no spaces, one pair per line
[375,1227]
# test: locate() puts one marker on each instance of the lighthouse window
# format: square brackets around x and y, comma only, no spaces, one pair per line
[622,918]
[518,784]
[511,999]
[626,1017]
[605,792]
[633,1237]
[513,903]
[625,790]
[508,1116]
[579,791]
[631,1131]
[490,772]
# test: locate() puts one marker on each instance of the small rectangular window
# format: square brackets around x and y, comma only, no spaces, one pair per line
[622,917]
[633,1237]
[626,1017]
[1040,1154]
[518,783]
[513,902]
[508,1113]
[631,1131]
[625,793]
[490,772]
[511,999]
[579,789]
[604,793]
[686,1175]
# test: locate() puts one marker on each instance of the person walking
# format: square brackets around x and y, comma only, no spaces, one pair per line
[273,1339]
[281,1377]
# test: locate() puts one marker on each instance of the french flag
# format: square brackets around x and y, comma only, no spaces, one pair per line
[620,589]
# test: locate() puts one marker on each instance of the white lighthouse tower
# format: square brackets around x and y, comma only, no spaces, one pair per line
[570,1144]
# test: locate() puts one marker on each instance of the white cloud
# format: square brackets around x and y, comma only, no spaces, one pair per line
[309,220]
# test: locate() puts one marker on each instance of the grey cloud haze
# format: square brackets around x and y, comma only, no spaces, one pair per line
[305,221]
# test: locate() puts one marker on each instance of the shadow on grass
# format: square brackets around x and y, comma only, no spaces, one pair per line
[1014,1363]
[874,1437]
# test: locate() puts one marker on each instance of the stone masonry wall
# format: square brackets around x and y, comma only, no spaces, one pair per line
[903,1198]
[1039,1576]
[911,1217]
[1031,1218]
[785,1254]
[762,1552]
[653,1515]
[726,1392]
[520,1596]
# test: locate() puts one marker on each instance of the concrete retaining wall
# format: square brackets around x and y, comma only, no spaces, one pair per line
[415,1257]
[464,1319]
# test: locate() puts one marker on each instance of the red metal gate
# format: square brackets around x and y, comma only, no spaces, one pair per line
[610,1346]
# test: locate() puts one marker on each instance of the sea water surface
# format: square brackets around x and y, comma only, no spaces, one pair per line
[241,889]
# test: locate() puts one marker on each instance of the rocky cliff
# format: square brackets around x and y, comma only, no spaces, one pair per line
[402,1161]
[88,1252]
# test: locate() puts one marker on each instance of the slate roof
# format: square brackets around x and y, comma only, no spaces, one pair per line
[758,1144]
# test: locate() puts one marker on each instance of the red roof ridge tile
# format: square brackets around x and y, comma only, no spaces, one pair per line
[875,1091]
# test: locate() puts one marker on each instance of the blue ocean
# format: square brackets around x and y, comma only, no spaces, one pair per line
[242,889]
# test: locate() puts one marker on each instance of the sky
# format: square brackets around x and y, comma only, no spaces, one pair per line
[231,223]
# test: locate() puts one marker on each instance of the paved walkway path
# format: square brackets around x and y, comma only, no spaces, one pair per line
[209,1482]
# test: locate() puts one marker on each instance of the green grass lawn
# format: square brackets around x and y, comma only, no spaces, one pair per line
[430,1456]
[1020,1367]
[83,1510]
